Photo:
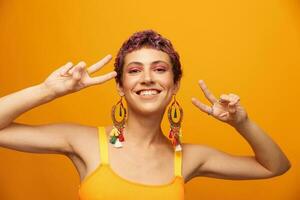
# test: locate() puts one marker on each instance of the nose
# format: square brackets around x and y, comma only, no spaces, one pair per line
[147,78]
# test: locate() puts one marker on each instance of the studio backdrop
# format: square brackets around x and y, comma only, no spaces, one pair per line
[249,48]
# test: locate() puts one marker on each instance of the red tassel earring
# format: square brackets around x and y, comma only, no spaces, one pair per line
[175,133]
[117,134]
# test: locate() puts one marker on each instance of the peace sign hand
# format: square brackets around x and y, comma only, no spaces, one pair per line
[71,78]
[226,109]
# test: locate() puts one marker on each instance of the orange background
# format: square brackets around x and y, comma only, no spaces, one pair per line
[250,48]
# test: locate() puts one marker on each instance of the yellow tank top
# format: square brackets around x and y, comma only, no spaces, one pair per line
[104,183]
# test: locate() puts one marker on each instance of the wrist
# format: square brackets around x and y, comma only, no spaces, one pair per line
[47,94]
[243,125]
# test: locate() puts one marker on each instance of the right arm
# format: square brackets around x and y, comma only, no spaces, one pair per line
[48,138]
[21,137]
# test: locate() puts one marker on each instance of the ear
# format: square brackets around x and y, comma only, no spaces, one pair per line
[176,87]
[120,89]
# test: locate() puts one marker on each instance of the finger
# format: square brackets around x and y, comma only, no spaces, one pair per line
[81,64]
[101,79]
[63,70]
[95,67]
[233,95]
[200,105]
[223,114]
[234,102]
[223,101]
[207,93]
[76,75]
[232,109]
[233,98]
[224,98]
[232,106]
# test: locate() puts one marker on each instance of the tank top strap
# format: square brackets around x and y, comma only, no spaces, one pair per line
[178,162]
[103,145]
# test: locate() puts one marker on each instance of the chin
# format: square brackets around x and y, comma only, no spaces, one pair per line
[150,109]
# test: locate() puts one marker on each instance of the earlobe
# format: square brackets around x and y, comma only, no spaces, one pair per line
[120,89]
[176,87]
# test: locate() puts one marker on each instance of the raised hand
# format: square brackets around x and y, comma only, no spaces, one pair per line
[71,78]
[227,109]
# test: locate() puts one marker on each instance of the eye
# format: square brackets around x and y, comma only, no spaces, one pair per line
[160,69]
[133,71]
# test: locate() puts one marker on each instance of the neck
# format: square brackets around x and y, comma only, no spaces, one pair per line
[144,131]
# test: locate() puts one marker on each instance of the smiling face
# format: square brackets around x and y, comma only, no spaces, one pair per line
[147,81]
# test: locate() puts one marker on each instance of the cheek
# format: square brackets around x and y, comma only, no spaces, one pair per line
[167,81]
[129,82]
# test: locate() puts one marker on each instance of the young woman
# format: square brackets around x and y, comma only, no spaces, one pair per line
[132,159]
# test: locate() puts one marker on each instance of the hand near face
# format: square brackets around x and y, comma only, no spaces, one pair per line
[71,78]
[227,109]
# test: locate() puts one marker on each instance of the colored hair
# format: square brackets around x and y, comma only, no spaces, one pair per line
[149,39]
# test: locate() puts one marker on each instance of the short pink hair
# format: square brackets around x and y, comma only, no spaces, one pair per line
[149,39]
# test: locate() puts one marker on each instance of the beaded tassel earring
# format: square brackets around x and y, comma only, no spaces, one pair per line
[118,115]
[175,133]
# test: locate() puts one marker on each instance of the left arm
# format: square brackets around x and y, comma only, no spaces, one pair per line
[269,160]
[267,152]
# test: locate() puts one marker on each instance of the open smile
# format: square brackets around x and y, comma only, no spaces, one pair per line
[148,93]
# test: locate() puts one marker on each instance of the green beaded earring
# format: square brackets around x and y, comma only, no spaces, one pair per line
[175,133]
[118,115]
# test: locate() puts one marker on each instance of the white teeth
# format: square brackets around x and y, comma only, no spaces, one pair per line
[148,92]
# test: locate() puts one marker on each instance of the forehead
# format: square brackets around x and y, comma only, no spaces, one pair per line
[146,56]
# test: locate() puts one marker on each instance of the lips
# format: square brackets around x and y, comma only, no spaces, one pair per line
[150,91]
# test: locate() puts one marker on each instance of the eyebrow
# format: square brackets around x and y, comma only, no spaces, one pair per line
[154,62]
